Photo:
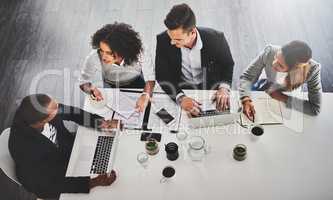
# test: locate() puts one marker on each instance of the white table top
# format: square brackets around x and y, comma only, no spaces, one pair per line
[290,161]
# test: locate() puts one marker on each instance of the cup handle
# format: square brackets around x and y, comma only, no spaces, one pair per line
[207,148]
[163,180]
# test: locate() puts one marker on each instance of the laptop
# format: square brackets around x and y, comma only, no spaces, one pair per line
[93,152]
[209,116]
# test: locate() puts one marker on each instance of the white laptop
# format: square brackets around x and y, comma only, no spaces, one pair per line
[211,117]
[93,152]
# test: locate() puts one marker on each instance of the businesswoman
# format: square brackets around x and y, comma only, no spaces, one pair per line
[119,60]
[287,68]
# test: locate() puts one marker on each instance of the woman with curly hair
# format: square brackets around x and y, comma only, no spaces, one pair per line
[118,58]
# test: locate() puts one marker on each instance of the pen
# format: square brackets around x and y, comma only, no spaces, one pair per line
[138,129]
[177,130]
[138,91]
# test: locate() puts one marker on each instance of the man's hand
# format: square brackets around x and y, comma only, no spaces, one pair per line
[95,94]
[222,99]
[110,124]
[248,109]
[103,180]
[190,105]
[142,102]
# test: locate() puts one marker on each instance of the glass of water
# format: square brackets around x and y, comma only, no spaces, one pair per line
[142,159]
[181,136]
[197,148]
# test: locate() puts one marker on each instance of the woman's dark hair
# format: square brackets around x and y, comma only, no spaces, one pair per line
[296,52]
[122,39]
[180,16]
[32,109]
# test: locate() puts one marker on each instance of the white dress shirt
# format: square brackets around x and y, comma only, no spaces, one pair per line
[50,132]
[191,63]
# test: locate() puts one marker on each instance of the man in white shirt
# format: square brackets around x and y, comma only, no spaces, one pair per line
[190,57]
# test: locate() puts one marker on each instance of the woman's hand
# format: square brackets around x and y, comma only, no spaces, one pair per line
[142,102]
[95,94]
[248,109]
[279,96]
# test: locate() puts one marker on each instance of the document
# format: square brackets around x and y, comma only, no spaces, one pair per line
[134,121]
[121,103]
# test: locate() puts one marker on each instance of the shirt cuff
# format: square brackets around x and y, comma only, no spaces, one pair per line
[149,78]
[178,97]
[224,85]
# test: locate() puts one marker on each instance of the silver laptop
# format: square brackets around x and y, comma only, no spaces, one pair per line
[212,117]
[93,152]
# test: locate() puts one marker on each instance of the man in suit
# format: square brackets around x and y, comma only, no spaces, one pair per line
[190,57]
[40,146]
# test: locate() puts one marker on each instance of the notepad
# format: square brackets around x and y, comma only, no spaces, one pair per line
[268,111]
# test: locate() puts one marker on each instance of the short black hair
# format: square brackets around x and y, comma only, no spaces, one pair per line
[122,39]
[32,109]
[296,52]
[180,16]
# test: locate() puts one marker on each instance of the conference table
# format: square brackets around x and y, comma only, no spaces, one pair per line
[292,160]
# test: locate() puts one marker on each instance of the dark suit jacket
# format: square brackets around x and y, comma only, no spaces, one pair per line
[13,191]
[216,61]
[40,164]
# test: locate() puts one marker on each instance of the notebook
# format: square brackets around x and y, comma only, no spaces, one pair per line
[268,111]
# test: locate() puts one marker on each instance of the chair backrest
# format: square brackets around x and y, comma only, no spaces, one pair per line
[6,162]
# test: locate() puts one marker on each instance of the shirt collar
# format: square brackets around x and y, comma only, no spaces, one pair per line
[122,63]
[198,44]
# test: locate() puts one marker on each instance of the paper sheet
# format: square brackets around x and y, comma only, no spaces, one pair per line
[121,103]
[268,111]
[134,121]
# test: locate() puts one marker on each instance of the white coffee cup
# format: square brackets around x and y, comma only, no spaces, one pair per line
[256,131]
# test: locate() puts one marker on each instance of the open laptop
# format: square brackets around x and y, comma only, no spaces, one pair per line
[93,152]
[209,116]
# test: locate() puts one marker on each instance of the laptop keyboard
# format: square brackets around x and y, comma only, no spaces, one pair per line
[208,113]
[102,155]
